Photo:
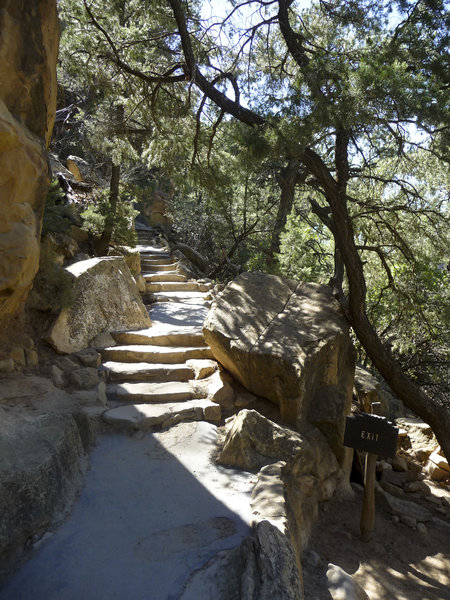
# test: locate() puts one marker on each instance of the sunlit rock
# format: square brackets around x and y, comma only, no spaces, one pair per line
[288,342]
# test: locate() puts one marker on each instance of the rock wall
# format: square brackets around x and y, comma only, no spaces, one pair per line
[288,342]
[29,36]
[44,437]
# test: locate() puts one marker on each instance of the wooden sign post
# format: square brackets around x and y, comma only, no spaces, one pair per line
[378,437]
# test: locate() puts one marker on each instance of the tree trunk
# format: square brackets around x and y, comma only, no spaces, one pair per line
[103,243]
[437,415]
[287,180]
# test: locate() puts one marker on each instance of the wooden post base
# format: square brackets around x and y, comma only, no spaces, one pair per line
[368,509]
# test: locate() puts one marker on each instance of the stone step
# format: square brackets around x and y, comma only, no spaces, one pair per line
[148,249]
[145,392]
[151,259]
[151,268]
[177,286]
[143,371]
[161,336]
[183,297]
[163,276]
[144,417]
[154,354]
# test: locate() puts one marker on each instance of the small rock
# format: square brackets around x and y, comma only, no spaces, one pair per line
[409,521]
[57,376]
[399,463]
[386,465]
[89,357]
[67,363]
[413,475]
[41,540]
[32,358]
[103,340]
[18,355]
[7,365]
[101,393]
[417,486]
[422,454]
[395,519]
[434,500]
[84,378]
[437,466]
[342,586]
[312,559]
[244,399]
[93,397]
[441,510]
[415,467]
[398,507]
[212,413]
[392,489]
[421,528]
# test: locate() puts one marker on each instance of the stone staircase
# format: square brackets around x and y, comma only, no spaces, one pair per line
[159,376]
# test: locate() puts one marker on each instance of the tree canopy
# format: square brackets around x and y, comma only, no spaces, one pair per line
[310,137]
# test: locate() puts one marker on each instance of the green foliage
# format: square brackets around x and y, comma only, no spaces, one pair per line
[52,282]
[95,217]
[376,70]
[306,249]
[55,211]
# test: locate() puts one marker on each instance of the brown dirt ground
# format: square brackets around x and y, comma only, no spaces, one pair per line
[398,563]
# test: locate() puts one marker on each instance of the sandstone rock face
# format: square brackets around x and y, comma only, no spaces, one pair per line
[106,298]
[28,53]
[288,342]
[22,192]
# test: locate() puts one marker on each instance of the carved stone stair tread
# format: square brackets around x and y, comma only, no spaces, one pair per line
[164,276]
[144,248]
[149,262]
[177,286]
[145,416]
[157,267]
[146,392]
[155,354]
[162,336]
[143,371]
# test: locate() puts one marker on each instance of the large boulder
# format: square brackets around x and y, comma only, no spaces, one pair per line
[106,298]
[288,342]
[298,471]
[29,35]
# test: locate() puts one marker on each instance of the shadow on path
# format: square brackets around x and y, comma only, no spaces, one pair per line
[148,517]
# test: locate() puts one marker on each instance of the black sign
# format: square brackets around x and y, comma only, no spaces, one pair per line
[371,433]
